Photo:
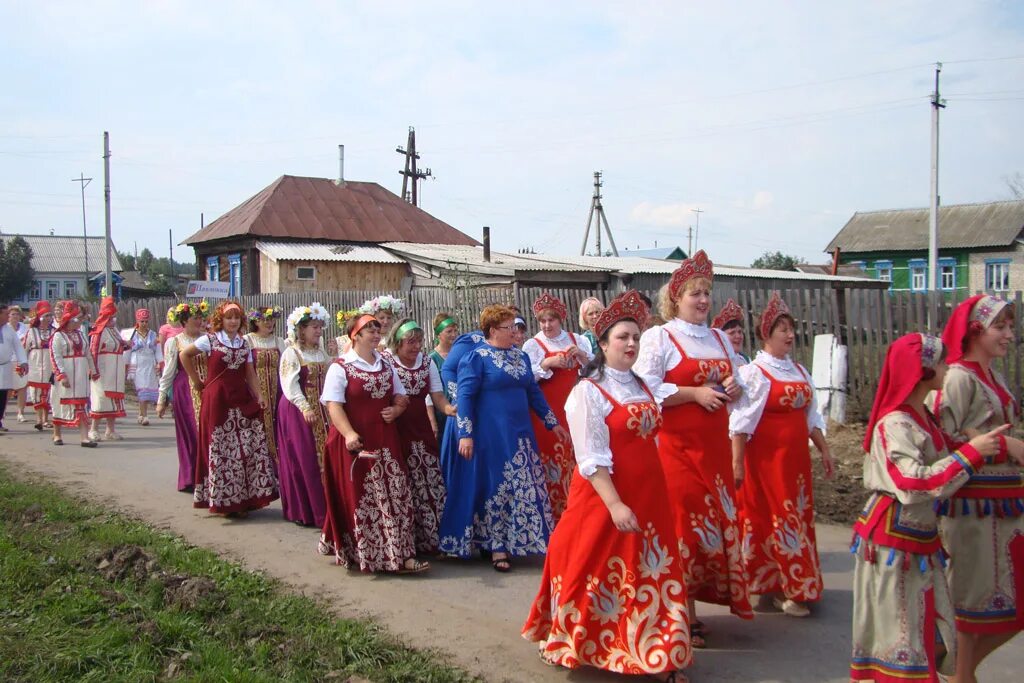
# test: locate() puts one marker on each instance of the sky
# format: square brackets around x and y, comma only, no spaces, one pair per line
[777,119]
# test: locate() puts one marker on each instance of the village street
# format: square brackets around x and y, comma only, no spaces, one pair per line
[465,609]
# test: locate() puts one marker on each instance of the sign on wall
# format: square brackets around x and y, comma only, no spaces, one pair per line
[207,289]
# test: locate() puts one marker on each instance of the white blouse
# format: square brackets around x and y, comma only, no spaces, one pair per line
[204,344]
[658,354]
[435,375]
[747,410]
[564,340]
[271,342]
[585,411]
[336,381]
[292,361]
[171,348]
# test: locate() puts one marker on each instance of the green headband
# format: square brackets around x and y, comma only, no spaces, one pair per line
[407,328]
[440,327]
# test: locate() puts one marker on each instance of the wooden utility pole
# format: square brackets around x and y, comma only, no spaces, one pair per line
[934,278]
[106,201]
[411,173]
[597,208]
[696,231]
[85,233]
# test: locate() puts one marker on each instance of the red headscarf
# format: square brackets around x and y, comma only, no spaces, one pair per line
[108,311]
[70,310]
[979,311]
[41,309]
[905,362]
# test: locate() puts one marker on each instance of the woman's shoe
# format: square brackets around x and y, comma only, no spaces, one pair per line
[94,435]
[792,608]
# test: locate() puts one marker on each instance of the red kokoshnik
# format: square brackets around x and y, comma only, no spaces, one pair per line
[775,309]
[730,312]
[699,265]
[549,302]
[627,306]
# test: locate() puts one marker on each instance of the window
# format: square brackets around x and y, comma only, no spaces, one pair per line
[305,273]
[947,274]
[883,270]
[235,274]
[70,289]
[213,268]
[52,290]
[918,275]
[36,292]
[997,275]
[860,264]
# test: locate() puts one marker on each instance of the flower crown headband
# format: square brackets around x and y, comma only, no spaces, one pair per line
[314,311]
[199,310]
[266,314]
[383,303]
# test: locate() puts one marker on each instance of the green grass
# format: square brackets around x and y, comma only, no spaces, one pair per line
[62,619]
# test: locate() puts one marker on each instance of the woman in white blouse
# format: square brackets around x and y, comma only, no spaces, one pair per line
[770,426]
[613,561]
[692,369]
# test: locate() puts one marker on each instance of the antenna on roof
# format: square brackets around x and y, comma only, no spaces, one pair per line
[595,205]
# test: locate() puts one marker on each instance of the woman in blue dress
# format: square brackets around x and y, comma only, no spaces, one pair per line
[497,500]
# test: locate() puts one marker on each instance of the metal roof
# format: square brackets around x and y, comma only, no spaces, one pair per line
[658,253]
[326,251]
[66,253]
[322,209]
[441,255]
[961,226]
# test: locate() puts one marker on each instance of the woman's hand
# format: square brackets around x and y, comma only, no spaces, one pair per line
[65,383]
[401,401]
[732,388]
[389,414]
[353,442]
[738,471]
[262,401]
[710,399]
[562,434]
[450,411]
[989,444]
[623,518]
[161,408]
[828,464]
[309,415]
[466,447]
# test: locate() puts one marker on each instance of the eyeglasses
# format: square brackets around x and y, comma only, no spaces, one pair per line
[506,327]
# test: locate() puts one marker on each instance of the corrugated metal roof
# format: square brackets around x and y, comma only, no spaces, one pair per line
[66,253]
[500,263]
[321,209]
[658,253]
[326,251]
[961,226]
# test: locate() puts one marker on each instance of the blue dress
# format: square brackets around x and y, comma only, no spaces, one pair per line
[449,438]
[497,500]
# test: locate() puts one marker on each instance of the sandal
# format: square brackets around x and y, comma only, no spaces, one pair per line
[673,677]
[38,427]
[697,641]
[413,566]
[88,444]
[501,564]
[698,627]
[58,442]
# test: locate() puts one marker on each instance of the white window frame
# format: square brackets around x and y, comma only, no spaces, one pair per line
[1000,267]
[947,266]
[35,293]
[70,289]
[918,276]
[298,275]
[52,294]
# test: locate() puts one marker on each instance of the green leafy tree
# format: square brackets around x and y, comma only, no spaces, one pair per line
[16,274]
[127,260]
[777,261]
[145,262]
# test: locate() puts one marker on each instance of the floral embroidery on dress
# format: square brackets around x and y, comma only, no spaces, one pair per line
[464,424]
[428,495]
[229,482]
[377,383]
[550,419]
[712,371]
[645,419]
[797,396]
[414,379]
[510,361]
[383,524]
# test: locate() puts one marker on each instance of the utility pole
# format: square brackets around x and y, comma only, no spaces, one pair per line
[934,278]
[689,248]
[170,257]
[696,232]
[85,233]
[602,220]
[411,172]
[106,201]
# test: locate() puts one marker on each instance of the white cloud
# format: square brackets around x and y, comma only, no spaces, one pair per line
[763,199]
[677,215]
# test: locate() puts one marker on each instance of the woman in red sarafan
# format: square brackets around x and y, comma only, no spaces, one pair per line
[771,424]
[692,369]
[370,514]
[556,356]
[613,594]
[107,348]
[234,470]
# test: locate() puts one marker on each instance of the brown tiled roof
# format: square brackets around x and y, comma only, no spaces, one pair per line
[320,209]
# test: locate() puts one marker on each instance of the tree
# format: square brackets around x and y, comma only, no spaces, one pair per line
[144,262]
[127,260]
[16,273]
[777,261]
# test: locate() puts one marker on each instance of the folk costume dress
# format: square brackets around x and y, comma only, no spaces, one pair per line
[69,354]
[12,357]
[144,363]
[107,348]
[301,445]
[497,500]
[370,515]
[556,383]
[419,446]
[185,406]
[40,366]
[609,599]
[266,352]
[778,412]
[234,470]
[440,419]
[901,599]
[449,437]
[983,524]
[20,331]
[696,455]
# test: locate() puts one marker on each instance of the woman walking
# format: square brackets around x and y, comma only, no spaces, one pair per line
[234,470]
[73,368]
[145,364]
[502,503]
[40,365]
[770,425]
[13,361]
[613,561]
[106,396]
[692,369]
[17,324]
[301,419]
[267,348]
[369,522]
[175,387]
[421,380]
[556,357]
[446,331]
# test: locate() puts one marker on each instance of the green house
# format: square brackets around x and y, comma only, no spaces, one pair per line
[981,247]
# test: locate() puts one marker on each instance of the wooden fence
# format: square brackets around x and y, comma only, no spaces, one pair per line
[867,321]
